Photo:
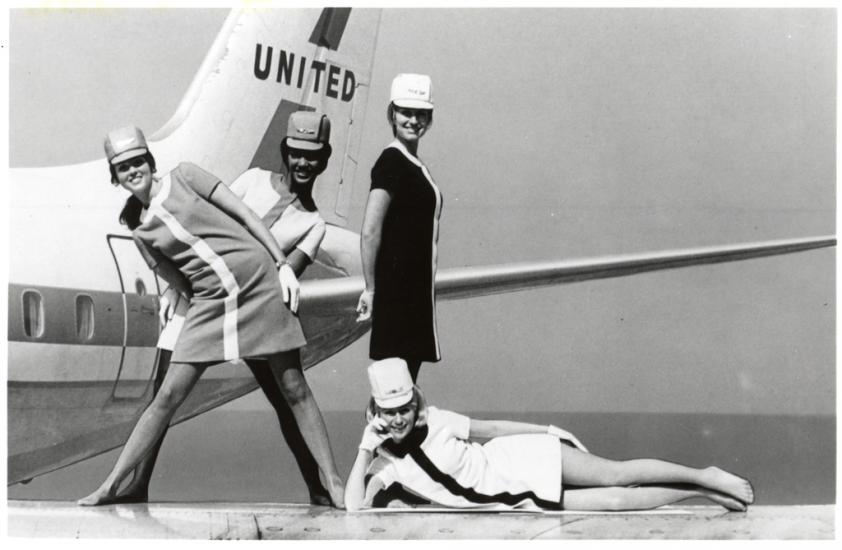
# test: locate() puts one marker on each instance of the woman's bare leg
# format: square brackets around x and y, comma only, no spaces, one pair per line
[588,470]
[180,379]
[414,369]
[641,498]
[137,490]
[292,434]
[286,367]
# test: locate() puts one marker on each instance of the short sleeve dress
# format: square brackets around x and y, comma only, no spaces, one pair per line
[295,224]
[237,309]
[439,464]
[404,318]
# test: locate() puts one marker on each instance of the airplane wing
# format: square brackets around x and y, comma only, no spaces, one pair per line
[339,296]
[327,311]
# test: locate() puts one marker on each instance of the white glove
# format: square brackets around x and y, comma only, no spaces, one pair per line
[567,436]
[374,435]
[289,286]
[167,305]
[365,305]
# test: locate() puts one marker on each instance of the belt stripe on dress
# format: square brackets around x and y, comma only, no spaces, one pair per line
[468,493]
[230,343]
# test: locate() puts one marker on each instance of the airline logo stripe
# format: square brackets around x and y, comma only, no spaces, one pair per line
[469,493]
[230,343]
[330,27]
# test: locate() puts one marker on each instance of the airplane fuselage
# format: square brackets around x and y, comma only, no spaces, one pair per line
[83,322]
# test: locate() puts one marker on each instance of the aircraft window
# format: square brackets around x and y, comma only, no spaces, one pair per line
[84,317]
[33,314]
[140,287]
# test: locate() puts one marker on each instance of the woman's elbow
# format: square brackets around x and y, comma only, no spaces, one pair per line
[369,235]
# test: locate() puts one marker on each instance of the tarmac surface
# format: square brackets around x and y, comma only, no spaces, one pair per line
[41,519]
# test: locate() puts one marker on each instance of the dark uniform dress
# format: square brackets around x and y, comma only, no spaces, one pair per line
[237,309]
[404,318]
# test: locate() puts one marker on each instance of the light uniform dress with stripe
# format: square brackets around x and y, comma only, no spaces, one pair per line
[404,309]
[237,309]
[438,463]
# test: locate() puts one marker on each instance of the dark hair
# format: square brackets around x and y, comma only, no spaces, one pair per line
[390,115]
[130,214]
[146,156]
[324,154]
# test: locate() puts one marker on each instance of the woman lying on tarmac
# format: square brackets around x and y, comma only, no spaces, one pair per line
[428,451]
[284,202]
[243,295]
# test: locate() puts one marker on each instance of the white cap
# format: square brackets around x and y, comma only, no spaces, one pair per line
[391,384]
[413,91]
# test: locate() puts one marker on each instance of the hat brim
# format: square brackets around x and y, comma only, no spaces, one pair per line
[413,104]
[304,145]
[394,400]
[131,153]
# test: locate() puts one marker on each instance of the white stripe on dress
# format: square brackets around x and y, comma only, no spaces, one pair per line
[230,343]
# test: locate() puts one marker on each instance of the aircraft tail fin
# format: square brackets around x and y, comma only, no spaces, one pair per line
[264,65]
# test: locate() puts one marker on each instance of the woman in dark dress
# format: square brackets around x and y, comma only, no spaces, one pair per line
[400,234]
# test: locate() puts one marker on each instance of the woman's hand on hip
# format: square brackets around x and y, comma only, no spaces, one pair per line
[289,286]
[567,436]
[167,305]
[365,305]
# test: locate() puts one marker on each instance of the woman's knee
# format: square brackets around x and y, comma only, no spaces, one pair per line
[294,387]
[615,499]
[169,398]
[618,474]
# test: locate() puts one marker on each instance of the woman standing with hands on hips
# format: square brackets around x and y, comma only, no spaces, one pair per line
[243,295]
[400,234]
[284,202]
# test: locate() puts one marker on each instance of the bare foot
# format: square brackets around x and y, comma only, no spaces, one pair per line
[337,493]
[320,499]
[100,497]
[728,483]
[129,498]
[132,494]
[721,498]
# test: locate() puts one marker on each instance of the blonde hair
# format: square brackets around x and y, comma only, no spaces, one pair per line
[417,398]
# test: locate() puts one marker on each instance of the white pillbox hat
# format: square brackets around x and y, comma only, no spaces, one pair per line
[413,91]
[391,384]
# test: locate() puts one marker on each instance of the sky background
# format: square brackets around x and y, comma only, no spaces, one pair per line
[558,134]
